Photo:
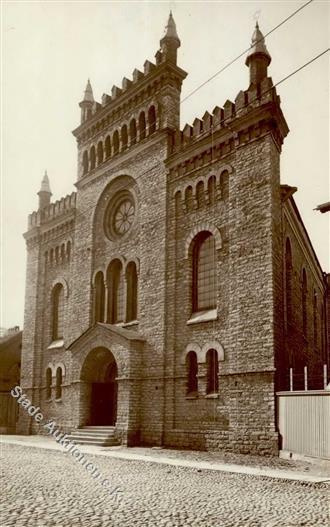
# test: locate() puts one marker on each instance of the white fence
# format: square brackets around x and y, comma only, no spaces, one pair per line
[304,422]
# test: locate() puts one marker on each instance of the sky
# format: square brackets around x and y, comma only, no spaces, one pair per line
[50,49]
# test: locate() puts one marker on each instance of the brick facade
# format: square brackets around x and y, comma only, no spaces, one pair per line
[221,177]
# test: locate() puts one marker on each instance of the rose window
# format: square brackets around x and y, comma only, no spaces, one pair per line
[123,217]
[120,215]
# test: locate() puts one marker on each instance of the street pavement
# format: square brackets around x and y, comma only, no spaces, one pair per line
[42,487]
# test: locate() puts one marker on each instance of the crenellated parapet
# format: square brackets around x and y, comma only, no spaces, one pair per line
[217,135]
[58,210]
[250,108]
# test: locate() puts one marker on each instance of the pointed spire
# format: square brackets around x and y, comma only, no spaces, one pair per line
[170,28]
[170,42]
[258,46]
[44,192]
[45,186]
[258,58]
[88,95]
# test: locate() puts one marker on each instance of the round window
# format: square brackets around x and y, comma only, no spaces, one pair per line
[123,217]
[120,215]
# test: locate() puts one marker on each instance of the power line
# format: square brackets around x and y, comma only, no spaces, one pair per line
[223,121]
[245,51]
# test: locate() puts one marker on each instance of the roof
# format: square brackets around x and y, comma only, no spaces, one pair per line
[10,339]
[258,46]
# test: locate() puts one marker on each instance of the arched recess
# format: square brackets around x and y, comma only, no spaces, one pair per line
[115,283]
[151,120]
[206,227]
[192,346]
[99,388]
[132,132]
[99,297]
[213,344]
[132,292]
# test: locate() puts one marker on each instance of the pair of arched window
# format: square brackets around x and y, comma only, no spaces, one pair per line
[57,312]
[58,385]
[204,283]
[212,372]
[115,298]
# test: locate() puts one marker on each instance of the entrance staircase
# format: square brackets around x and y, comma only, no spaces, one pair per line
[95,435]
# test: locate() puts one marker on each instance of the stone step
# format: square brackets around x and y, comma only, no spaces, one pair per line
[92,436]
[110,441]
[102,428]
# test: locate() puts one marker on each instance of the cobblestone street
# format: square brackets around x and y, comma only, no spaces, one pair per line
[43,488]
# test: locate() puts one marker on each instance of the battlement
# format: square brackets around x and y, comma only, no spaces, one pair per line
[245,101]
[57,209]
[126,85]
[134,91]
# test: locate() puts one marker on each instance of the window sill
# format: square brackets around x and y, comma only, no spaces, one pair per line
[56,344]
[191,396]
[212,396]
[58,400]
[203,316]
[130,323]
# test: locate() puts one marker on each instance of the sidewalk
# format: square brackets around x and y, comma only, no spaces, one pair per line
[248,465]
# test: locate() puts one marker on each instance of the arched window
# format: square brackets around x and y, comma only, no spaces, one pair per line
[92,157]
[116,289]
[132,131]
[62,252]
[85,162]
[48,383]
[304,302]
[288,281]
[99,153]
[131,302]
[124,137]
[58,393]
[58,312]
[142,125]
[68,250]
[315,326]
[115,142]
[200,193]
[51,256]
[203,272]
[211,189]
[107,146]
[212,365]
[192,371]
[99,295]
[189,198]
[152,120]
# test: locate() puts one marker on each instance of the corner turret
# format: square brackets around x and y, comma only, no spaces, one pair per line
[170,42]
[44,192]
[258,58]
[86,104]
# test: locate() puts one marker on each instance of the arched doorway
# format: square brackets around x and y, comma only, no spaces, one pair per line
[99,396]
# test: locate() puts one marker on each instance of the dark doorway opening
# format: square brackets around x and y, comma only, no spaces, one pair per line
[104,399]
[99,373]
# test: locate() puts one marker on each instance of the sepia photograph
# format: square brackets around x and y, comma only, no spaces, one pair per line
[165,263]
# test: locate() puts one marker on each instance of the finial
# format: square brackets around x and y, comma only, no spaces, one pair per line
[88,94]
[170,28]
[45,186]
[258,46]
